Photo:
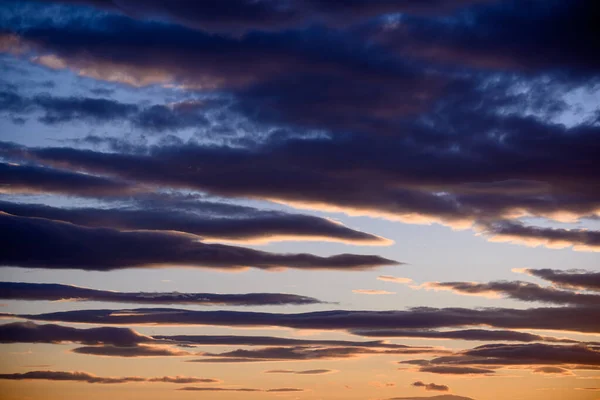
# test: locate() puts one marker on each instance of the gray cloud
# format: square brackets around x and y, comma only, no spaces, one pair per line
[131,351]
[89,378]
[455,370]
[431,386]
[56,292]
[37,179]
[255,226]
[309,353]
[575,319]
[465,334]
[302,372]
[524,291]
[60,245]
[570,279]
[29,332]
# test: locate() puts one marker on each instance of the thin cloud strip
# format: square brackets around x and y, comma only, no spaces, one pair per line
[517,290]
[58,292]
[90,378]
[574,279]
[574,319]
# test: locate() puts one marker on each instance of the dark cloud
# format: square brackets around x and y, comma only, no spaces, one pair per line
[538,353]
[401,179]
[308,353]
[465,334]
[244,15]
[524,291]
[552,370]
[303,372]
[89,378]
[507,35]
[431,386]
[227,340]
[220,389]
[440,397]
[16,178]
[41,243]
[255,226]
[455,370]
[55,110]
[131,351]
[575,319]
[540,358]
[28,332]
[570,279]
[56,292]
[549,237]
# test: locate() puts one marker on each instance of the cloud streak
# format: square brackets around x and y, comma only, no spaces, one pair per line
[58,292]
[574,319]
[90,378]
[62,245]
[254,227]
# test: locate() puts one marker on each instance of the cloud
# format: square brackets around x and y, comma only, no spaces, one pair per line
[417,194]
[538,357]
[465,334]
[552,371]
[574,319]
[524,291]
[302,372]
[221,389]
[58,292]
[538,353]
[485,38]
[15,178]
[254,226]
[431,386]
[62,245]
[388,278]
[372,291]
[507,231]
[308,353]
[440,397]
[455,370]
[569,279]
[55,110]
[245,15]
[132,351]
[29,332]
[89,378]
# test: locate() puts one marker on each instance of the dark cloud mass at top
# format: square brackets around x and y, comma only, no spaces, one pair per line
[147,134]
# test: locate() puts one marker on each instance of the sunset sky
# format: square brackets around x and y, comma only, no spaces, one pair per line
[300,199]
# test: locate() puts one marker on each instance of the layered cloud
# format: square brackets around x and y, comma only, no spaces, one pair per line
[575,319]
[61,245]
[58,292]
[89,378]
[488,359]
[28,332]
[570,279]
[524,291]
[255,226]
[305,353]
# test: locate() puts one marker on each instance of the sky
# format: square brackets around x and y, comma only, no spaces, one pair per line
[300,199]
